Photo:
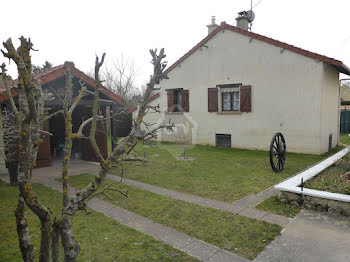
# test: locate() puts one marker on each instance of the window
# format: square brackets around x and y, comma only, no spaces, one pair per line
[178,100]
[230,100]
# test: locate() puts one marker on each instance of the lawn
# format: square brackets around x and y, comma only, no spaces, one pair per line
[275,205]
[217,173]
[241,235]
[101,238]
[345,139]
[335,179]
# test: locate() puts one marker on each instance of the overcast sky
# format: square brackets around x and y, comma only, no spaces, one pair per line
[77,30]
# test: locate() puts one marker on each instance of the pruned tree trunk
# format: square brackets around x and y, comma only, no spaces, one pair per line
[70,245]
[45,242]
[55,238]
[68,134]
[27,117]
[23,231]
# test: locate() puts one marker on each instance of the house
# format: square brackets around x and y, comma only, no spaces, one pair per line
[345,95]
[237,88]
[53,81]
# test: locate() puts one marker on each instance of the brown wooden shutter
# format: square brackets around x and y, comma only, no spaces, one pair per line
[246,98]
[185,100]
[170,100]
[212,100]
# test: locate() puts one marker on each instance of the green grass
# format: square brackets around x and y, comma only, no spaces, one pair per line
[275,205]
[334,179]
[241,235]
[345,139]
[216,173]
[101,238]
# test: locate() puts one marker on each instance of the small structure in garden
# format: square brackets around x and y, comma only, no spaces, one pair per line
[305,189]
[53,81]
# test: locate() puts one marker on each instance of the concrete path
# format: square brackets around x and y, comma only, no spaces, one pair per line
[311,237]
[241,207]
[192,246]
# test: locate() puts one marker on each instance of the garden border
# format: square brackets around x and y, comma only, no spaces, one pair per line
[293,184]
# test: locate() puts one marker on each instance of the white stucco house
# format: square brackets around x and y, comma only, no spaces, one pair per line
[237,88]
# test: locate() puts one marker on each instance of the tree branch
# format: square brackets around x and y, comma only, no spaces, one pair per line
[92,137]
[8,90]
[53,114]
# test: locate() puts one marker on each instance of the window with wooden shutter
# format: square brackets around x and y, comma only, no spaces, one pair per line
[170,100]
[212,100]
[185,100]
[246,98]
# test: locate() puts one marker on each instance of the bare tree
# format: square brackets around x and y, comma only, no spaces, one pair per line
[120,78]
[29,118]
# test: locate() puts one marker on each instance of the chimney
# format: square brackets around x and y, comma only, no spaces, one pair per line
[68,64]
[243,20]
[212,26]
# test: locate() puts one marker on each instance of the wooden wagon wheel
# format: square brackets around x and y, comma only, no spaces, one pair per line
[277,152]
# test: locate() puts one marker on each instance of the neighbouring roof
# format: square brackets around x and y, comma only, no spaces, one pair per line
[57,72]
[154,97]
[339,65]
[345,94]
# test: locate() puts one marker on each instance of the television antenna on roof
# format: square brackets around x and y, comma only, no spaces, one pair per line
[251,4]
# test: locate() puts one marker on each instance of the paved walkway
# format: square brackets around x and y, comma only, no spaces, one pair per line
[241,207]
[192,246]
[311,237]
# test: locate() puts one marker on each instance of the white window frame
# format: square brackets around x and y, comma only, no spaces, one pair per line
[221,90]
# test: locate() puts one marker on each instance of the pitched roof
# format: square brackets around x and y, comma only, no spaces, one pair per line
[57,72]
[339,65]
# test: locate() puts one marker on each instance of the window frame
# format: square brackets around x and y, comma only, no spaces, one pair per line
[232,101]
[236,88]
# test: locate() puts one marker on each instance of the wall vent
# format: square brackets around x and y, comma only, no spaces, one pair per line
[223,140]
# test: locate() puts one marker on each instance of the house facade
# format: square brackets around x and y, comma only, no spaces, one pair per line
[237,88]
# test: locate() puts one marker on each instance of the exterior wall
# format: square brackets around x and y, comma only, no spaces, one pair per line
[288,90]
[330,108]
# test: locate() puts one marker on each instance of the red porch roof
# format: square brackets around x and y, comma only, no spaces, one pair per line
[57,72]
